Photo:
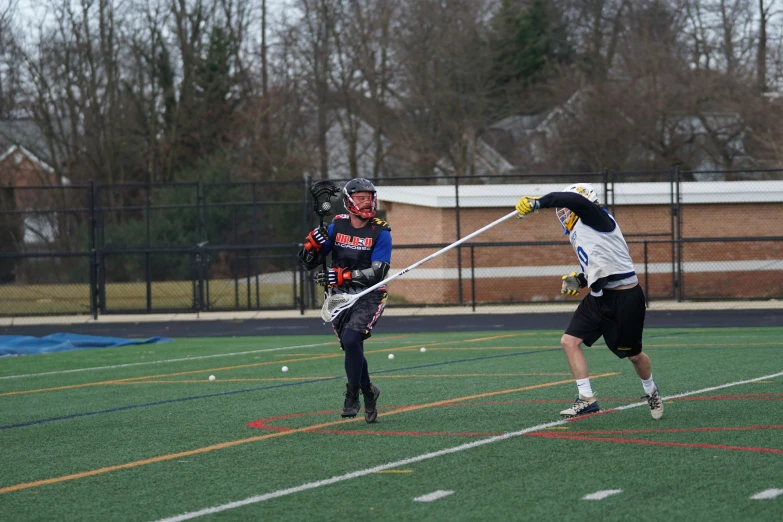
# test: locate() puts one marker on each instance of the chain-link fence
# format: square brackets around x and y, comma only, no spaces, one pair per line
[186,247]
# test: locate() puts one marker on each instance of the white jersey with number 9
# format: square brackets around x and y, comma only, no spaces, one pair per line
[601,254]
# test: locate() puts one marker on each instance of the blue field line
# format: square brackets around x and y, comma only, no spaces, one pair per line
[222,394]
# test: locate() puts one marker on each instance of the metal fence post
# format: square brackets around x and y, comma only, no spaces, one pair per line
[299,270]
[147,260]
[673,232]
[678,231]
[93,255]
[609,190]
[473,276]
[459,235]
[646,277]
[100,240]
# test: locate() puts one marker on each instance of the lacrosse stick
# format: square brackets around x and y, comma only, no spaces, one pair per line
[323,192]
[337,303]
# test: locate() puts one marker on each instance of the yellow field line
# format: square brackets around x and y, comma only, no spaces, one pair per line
[701,345]
[132,379]
[375,377]
[438,376]
[223,368]
[277,434]
[480,348]
[214,383]
[505,336]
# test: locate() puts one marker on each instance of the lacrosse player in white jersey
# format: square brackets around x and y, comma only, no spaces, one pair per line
[615,306]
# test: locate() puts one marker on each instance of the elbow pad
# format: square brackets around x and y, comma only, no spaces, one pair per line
[369,276]
[310,259]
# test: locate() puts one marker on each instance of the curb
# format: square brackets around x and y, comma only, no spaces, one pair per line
[655,306]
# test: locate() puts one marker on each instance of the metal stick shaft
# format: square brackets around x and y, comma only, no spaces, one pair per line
[436,254]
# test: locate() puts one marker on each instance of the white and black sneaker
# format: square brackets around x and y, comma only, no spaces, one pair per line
[582,406]
[655,402]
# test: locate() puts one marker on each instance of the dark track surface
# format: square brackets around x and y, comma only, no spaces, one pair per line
[396,324]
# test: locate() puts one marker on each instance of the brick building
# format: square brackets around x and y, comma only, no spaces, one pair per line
[20,168]
[735,265]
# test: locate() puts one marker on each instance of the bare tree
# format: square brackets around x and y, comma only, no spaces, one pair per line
[370,24]
[597,26]
[443,82]
[313,36]
[10,82]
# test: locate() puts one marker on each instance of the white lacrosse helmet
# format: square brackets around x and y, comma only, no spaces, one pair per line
[564,215]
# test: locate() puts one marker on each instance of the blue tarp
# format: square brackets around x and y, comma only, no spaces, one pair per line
[63,342]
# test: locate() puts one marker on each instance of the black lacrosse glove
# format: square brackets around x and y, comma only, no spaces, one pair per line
[316,239]
[334,277]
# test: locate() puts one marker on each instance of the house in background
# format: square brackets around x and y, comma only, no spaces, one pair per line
[708,141]
[338,142]
[20,168]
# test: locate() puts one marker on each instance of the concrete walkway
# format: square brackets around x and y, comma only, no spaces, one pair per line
[391,311]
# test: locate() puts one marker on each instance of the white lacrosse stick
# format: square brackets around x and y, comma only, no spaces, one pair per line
[337,303]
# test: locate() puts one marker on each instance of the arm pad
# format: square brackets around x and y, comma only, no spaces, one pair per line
[369,276]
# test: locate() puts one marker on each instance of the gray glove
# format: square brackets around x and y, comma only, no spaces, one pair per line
[572,283]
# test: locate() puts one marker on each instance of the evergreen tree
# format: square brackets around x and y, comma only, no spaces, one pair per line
[528,45]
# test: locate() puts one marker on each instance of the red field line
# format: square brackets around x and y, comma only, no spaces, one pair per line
[263,424]
[675,430]
[738,397]
[552,435]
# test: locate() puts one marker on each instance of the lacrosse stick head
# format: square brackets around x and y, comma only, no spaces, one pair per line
[334,304]
[323,192]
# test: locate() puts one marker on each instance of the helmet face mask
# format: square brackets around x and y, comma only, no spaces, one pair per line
[567,218]
[353,205]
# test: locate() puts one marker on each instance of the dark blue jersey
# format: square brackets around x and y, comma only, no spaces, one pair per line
[357,248]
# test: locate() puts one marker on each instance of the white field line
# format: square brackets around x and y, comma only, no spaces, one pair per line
[165,361]
[767,494]
[600,495]
[426,456]
[435,495]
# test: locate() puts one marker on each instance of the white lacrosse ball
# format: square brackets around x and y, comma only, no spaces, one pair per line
[211,377]
[284,368]
[422,349]
[391,356]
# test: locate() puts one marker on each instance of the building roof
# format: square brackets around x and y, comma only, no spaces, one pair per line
[33,159]
[25,133]
[647,193]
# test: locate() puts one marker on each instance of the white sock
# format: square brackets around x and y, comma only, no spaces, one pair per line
[584,387]
[649,385]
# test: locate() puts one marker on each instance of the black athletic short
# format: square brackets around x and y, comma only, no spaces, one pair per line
[362,316]
[618,315]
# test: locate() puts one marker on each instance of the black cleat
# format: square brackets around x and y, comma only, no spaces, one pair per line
[370,398]
[351,405]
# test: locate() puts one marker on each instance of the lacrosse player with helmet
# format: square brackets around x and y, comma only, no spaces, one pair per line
[615,305]
[360,245]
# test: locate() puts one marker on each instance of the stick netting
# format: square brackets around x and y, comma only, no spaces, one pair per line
[335,304]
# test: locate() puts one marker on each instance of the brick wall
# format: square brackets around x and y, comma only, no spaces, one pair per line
[708,268]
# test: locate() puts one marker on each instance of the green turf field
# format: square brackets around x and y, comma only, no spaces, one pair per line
[139,433]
